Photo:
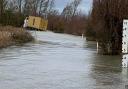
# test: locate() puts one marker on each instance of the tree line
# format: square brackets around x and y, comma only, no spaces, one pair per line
[13,12]
[106,20]
[71,20]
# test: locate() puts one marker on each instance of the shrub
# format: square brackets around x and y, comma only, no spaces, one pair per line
[10,36]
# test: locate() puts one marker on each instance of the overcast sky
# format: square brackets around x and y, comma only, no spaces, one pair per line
[85,5]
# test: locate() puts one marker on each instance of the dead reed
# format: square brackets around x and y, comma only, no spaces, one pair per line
[11,35]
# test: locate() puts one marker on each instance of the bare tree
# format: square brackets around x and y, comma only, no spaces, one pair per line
[43,7]
[75,5]
[67,12]
[3,4]
[107,18]
[14,6]
[70,10]
[19,5]
[31,7]
[26,8]
[51,6]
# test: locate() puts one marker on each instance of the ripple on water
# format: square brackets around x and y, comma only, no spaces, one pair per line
[59,61]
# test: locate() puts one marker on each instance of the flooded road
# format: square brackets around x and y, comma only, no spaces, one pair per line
[59,61]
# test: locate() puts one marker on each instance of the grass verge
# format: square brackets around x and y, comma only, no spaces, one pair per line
[11,36]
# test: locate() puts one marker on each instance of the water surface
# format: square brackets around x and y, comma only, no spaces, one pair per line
[59,61]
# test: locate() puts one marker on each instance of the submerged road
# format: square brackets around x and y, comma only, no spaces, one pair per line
[59,61]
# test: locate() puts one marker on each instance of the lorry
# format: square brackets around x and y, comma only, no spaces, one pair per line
[37,23]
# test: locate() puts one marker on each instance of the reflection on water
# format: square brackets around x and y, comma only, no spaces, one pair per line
[59,61]
[106,71]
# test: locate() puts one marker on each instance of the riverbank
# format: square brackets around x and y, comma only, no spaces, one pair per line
[11,36]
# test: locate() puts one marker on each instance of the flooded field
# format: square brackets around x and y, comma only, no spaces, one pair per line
[59,61]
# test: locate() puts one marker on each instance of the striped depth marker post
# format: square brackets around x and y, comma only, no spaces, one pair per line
[125,44]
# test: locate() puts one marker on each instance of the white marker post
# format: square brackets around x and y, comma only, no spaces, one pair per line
[125,44]
[97,47]
[82,36]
